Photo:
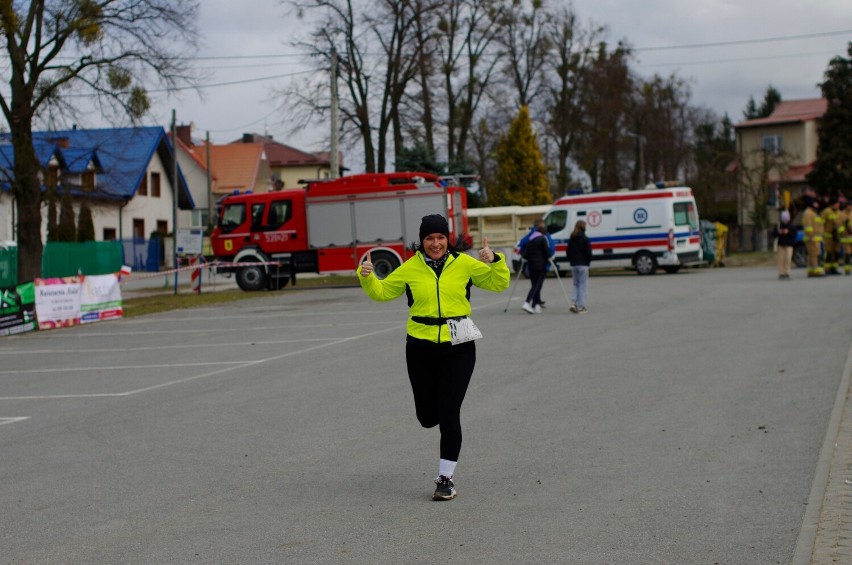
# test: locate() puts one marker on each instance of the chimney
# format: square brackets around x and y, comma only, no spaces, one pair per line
[248,138]
[184,133]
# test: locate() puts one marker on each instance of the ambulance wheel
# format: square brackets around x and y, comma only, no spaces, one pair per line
[383,263]
[251,278]
[645,263]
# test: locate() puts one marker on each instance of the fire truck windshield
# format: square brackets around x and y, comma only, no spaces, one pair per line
[233,215]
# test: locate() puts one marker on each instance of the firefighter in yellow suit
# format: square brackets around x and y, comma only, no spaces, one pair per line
[846,235]
[812,224]
[831,236]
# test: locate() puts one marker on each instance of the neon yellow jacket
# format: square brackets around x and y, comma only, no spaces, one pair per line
[431,296]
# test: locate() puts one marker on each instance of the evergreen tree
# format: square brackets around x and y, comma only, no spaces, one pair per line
[85,224]
[66,230]
[770,99]
[521,177]
[833,169]
[419,159]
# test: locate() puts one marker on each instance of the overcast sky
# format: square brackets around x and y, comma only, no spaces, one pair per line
[785,43]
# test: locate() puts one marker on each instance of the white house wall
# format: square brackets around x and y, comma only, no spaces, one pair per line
[196,180]
[149,208]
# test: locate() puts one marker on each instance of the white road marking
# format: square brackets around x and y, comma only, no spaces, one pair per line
[158,347]
[13,420]
[237,366]
[119,367]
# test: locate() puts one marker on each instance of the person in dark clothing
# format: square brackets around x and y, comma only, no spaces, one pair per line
[786,242]
[537,255]
[579,254]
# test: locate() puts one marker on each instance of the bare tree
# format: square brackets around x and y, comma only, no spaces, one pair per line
[466,32]
[567,69]
[760,171]
[56,48]
[662,116]
[604,100]
[525,44]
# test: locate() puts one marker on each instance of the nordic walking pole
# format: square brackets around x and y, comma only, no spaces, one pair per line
[512,293]
[556,270]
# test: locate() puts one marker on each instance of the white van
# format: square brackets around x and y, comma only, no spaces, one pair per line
[638,229]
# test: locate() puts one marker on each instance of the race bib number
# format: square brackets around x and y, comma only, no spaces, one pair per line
[462,331]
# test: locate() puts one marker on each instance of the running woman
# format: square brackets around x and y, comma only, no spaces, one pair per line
[437,283]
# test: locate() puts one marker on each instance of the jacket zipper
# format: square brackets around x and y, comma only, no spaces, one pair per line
[438,296]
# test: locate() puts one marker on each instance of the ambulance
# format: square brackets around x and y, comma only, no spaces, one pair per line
[647,229]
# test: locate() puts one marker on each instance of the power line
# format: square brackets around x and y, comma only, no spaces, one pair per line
[746,41]
[737,60]
[233,82]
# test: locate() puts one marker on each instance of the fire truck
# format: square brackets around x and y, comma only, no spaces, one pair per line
[265,239]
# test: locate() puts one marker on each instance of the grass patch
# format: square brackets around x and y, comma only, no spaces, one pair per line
[164,300]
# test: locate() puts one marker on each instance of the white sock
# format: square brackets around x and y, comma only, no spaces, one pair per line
[446,468]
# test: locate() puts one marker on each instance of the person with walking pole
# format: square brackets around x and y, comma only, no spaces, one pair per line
[440,351]
[536,253]
[579,254]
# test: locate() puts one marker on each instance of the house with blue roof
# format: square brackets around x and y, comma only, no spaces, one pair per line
[126,174]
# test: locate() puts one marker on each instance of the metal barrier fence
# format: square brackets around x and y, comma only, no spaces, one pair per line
[143,254]
[62,259]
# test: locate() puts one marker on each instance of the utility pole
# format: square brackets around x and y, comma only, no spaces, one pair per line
[175,188]
[210,207]
[335,128]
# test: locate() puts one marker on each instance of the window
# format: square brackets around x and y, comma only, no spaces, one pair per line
[685,214]
[163,226]
[200,217]
[143,186]
[280,213]
[87,181]
[109,234]
[138,228]
[232,217]
[155,185]
[772,144]
[555,221]
[256,214]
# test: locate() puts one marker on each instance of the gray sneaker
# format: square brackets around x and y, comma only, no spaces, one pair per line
[445,489]
[581,310]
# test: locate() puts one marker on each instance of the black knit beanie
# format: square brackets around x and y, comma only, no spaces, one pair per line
[433,223]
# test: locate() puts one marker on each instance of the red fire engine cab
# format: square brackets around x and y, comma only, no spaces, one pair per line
[267,238]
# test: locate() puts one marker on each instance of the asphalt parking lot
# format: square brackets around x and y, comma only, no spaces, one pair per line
[680,421]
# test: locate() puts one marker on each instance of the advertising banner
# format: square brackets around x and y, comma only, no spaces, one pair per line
[57,302]
[17,309]
[101,298]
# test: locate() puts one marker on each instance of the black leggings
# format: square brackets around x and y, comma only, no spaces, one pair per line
[536,282]
[439,375]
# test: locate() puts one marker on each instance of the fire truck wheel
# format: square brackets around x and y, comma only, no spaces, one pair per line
[384,263]
[251,278]
[645,263]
